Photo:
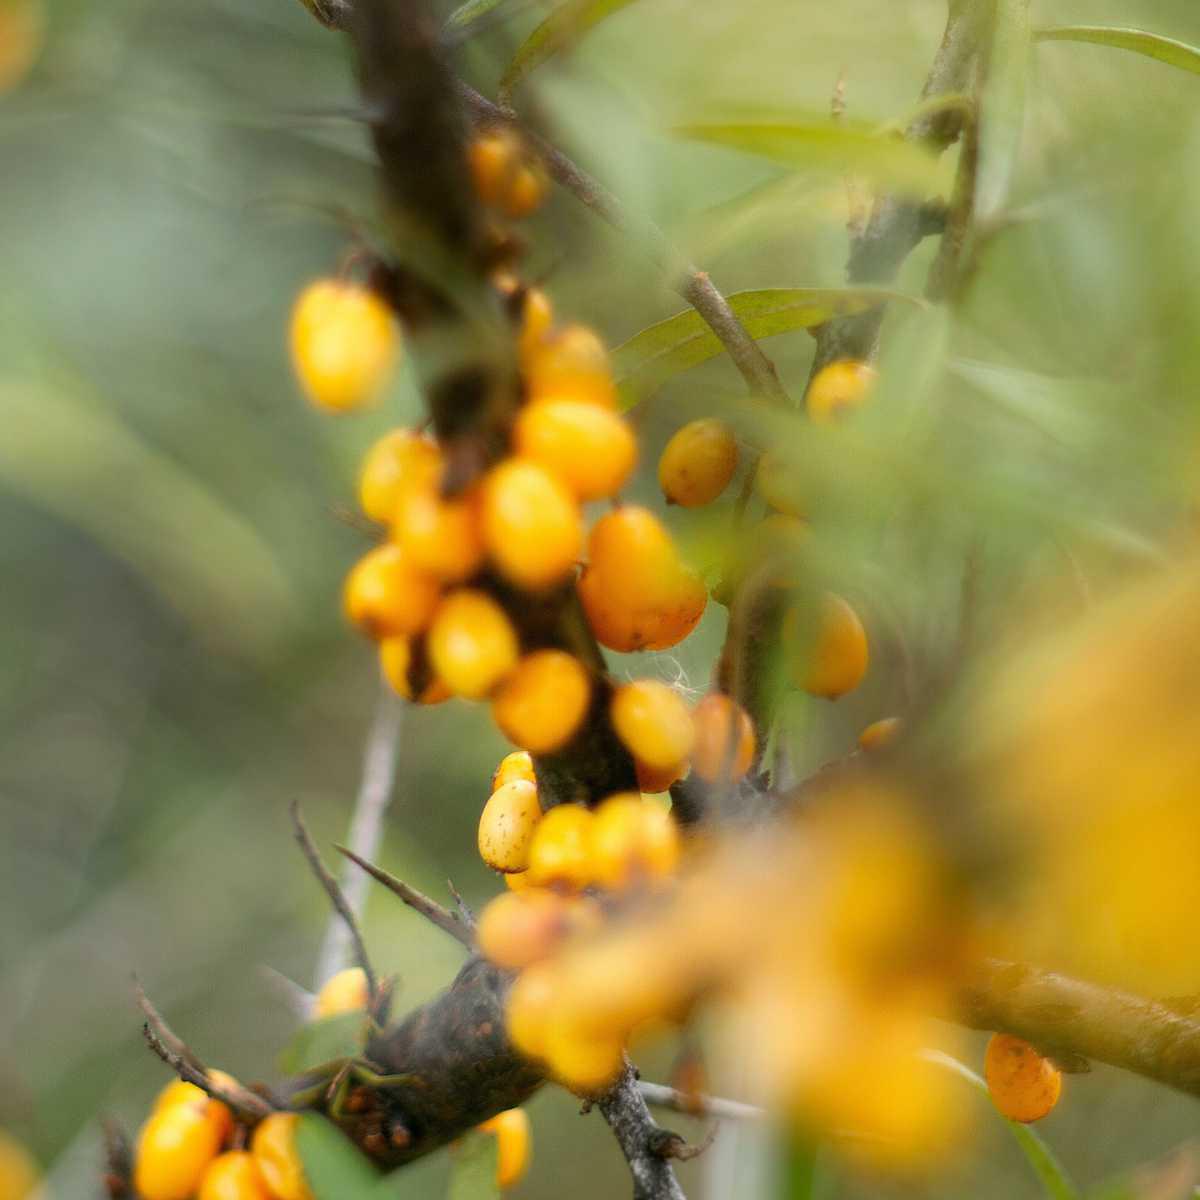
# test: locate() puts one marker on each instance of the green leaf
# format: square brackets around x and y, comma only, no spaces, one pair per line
[1002,106]
[1054,1179]
[470,12]
[1139,41]
[880,158]
[335,1170]
[564,26]
[473,1176]
[322,1041]
[648,359]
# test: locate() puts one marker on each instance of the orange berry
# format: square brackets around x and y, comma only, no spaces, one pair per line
[216,1112]
[342,993]
[724,739]
[659,779]
[517,765]
[233,1176]
[441,535]
[1023,1084]
[386,596]
[698,463]
[537,319]
[837,661]
[472,643]
[519,928]
[174,1149]
[513,1144]
[571,364]
[838,388]
[531,524]
[879,734]
[397,661]
[633,841]
[400,459]
[543,702]
[653,722]
[528,1008]
[345,343]
[506,176]
[517,881]
[19,1173]
[274,1148]
[584,1060]
[591,449]
[560,854]
[506,825]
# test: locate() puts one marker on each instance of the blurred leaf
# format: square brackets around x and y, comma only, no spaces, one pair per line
[1002,106]
[930,106]
[473,1176]
[474,10]
[323,1041]
[648,359]
[334,1168]
[1152,45]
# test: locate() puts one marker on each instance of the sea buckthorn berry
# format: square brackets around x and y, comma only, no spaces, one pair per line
[633,841]
[386,596]
[517,929]
[21,38]
[517,765]
[571,364]
[517,881]
[233,1176]
[441,535]
[653,722]
[636,593]
[274,1148]
[591,449]
[216,1112]
[342,993]
[838,388]
[543,702]
[725,744]
[537,319]
[835,662]
[506,826]
[698,463]
[583,1060]
[345,343]
[777,480]
[531,524]
[19,1174]
[659,779]
[398,664]
[879,734]
[472,643]
[506,176]
[1023,1084]
[174,1149]
[513,1145]
[560,854]
[400,459]
[528,1007]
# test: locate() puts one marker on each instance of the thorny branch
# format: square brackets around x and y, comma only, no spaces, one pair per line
[640,1138]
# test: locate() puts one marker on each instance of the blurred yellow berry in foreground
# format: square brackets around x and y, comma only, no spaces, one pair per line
[517,765]
[506,175]
[1024,1085]
[777,480]
[838,388]
[653,722]
[513,1145]
[233,1176]
[879,734]
[517,929]
[725,742]
[399,460]
[345,343]
[341,993]
[583,1059]
[173,1151]
[571,364]
[19,1173]
[21,38]
[531,524]
[634,841]
[698,463]
[506,826]
[386,596]
[543,702]
[835,662]
[472,643]
[591,449]
[537,319]
[561,852]
[528,1006]
[441,535]
[274,1148]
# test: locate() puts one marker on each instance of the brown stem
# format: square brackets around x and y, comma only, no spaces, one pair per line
[640,1138]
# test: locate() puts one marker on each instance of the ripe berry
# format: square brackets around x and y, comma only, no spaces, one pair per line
[698,463]
[517,881]
[342,993]
[506,176]
[519,928]
[583,1059]
[537,319]
[233,1176]
[274,1148]
[517,765]
[441,535]
[386,596]
[543,702]
[506,826]
[653,722]
[19,1173]
[531,524]
[659,779]
[216,1112]
[399,460]
[837,661]
[528,1007]
[560,854]
[472,643]
[633,841]
[571,364]
[344,344]
[174,1149]
[513,1143]
[396,661]
[1023,1085]
[879,734]
[838,388]
[725,742]
[591,449]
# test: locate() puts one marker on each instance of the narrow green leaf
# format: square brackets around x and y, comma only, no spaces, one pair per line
[1002,107]
[1139,41]
[323,1041]
[470,12]
[335,1170]
[473,1176]
[648,359]
[563,27]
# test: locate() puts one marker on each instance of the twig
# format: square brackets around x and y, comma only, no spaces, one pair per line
[670,1145]
[431,910]
[118,1160]
[465,915]
[334,892]
[640,1139]
[661,1096]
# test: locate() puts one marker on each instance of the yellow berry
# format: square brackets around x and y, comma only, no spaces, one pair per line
[837,388]
[174,1149]
[777,480]
[633,841]
[472,643]
[441,535]
[216,1112]
[571,364]
[528,1007]
[386,596]
[19,1174]
[517,881]
[725,741]
[659,779]
[584,1060]
[879,734]
[653,722]
[344,344]
[531,524]
[537,319]
[274,1148]
[506,826]
[837,660]
[21,39]
[519,928]
[1023,1084]
[560,854]
[342,993]
[591,449]
[400,459]
[543,702]
[513,1145]
[506,176]
[233,1176]
[399,666]
[698,463]
[517,765]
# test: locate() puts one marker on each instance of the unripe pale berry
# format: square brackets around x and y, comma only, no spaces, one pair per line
[879,734]
[633,841]
[506,176]
[698,463]
[233,1176]
[838,388]
[725,743]
[397,662]
[777,480]
[342,993]
[513,1145]
[653,722]
[591,449]
[345,343]
[442,536]
[1023,1084]
[517,765]
[472,643]
[560,854]
[386,596]
[506,826]
[531,524]
[517,929]
[571,364]
[837,660]
[274,1148]
[174,1149]
[400,459]
[543,702]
